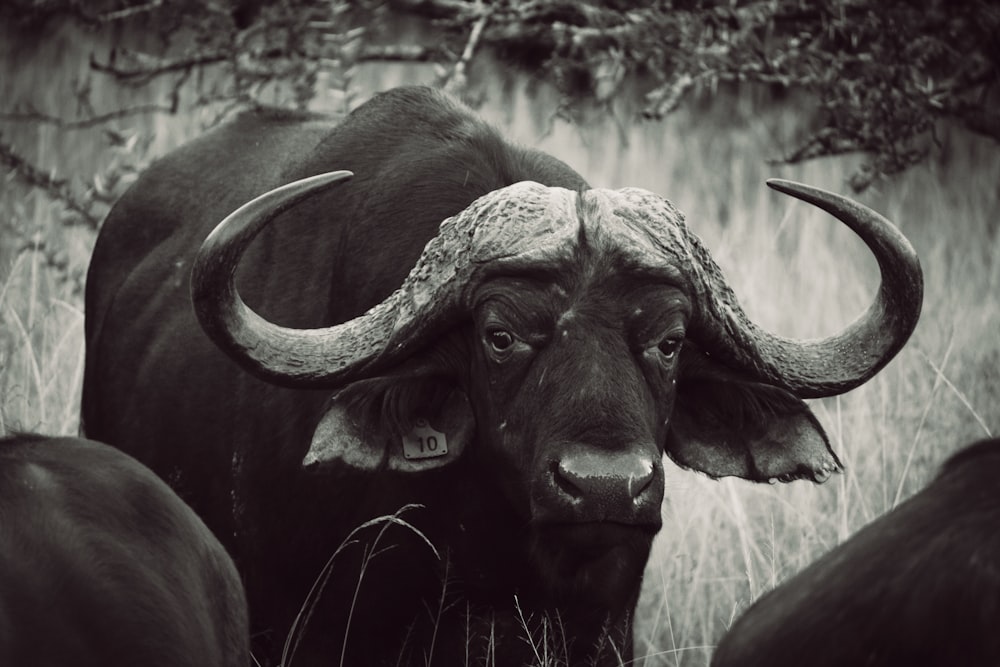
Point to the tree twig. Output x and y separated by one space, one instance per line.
33 116
55 188
155 67
457 79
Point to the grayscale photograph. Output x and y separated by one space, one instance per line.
499 333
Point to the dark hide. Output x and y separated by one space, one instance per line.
530 535
102 565
918 586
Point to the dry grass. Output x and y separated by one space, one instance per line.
797 271
726 543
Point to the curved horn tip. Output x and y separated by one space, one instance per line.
303 187
793 188
328 177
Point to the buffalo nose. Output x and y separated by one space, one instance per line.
604 479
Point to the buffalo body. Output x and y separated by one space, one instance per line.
102 565
917 586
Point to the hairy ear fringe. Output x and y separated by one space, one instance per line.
726 423
390 405
744 406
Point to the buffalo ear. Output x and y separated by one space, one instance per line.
406 424
725 424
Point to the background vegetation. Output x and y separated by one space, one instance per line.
74 133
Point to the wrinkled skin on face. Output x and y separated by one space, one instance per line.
573 383
569 376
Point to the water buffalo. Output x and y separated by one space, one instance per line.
465 326
101 564
917 586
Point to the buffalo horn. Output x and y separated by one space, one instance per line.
284 355
526 224
526 221
828 366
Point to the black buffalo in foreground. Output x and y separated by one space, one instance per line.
917 586
462 325
102 565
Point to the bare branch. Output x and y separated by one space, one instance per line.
435 8
150 68
86 123
823 143
401 53
457 80
33 12
55 188
128 12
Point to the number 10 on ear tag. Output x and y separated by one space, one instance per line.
423 442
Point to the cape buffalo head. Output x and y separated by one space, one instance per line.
565 340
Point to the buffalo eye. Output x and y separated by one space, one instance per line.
500 341
669 347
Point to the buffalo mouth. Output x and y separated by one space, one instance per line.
592 563
594 538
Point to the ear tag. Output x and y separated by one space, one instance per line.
424 442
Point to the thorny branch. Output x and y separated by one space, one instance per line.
882 72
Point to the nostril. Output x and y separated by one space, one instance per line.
637 484
564 480
603 478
